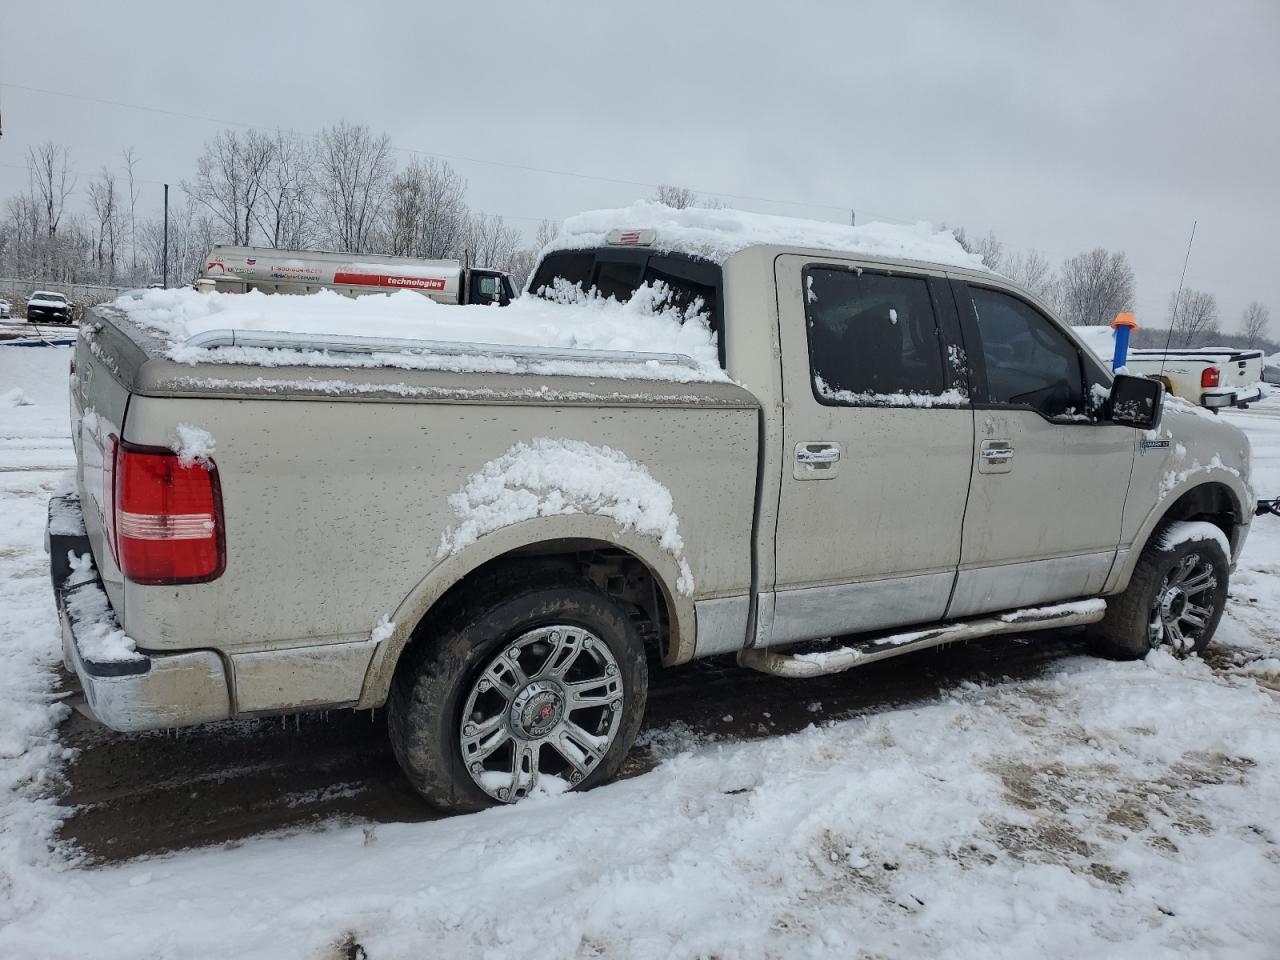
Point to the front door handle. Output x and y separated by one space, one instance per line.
816 460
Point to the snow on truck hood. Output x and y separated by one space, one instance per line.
718 234
645 324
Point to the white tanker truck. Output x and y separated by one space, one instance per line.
230 269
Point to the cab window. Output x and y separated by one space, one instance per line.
1027 360
873 338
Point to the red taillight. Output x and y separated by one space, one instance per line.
1210 377
166 518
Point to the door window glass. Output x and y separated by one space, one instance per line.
1028 360
873 340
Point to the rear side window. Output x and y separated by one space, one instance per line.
873 339
1028 361
618 273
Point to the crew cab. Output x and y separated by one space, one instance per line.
230 269
806 445
46 306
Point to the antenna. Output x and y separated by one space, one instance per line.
1177 297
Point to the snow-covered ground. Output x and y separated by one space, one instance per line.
1098 809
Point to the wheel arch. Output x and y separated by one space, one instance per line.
1216 495
564 539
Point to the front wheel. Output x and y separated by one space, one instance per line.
1174 600
533 681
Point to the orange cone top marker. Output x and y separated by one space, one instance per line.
1124 320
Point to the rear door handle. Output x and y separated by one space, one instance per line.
827 455
995 456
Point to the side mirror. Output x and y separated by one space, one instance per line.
1136 402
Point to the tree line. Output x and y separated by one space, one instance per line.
343 190
1090 288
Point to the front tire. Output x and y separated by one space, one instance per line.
528 681
1175 599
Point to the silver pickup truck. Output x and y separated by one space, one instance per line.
893 454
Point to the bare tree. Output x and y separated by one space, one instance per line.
284 216
230 178
353 171
990 248
102 198
1193 316
1033 271
427 211
678 198
681 198
524 260
490 242
1257 317
130 164
48 165
1095 286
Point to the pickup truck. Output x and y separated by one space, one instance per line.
1211 377
45 306
697 433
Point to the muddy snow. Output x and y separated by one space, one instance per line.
1081 808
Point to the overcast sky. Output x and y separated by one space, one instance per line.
1060 126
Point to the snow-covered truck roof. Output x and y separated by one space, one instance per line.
717 234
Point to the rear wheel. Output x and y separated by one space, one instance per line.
533 681
1174 600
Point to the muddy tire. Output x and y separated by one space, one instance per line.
1175 599
532 679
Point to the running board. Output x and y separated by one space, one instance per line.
823 662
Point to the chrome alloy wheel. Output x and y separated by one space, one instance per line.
550 704
1184 604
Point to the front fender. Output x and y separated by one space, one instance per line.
662 565
1241 507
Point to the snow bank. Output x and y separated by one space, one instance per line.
15 398
647 323
718 234
548 477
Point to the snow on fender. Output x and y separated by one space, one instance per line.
548 477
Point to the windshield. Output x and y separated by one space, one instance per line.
49 296
618 273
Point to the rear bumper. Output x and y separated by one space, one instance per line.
1233 398
149 692
47 316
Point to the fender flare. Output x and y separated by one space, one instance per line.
1219 476
450 570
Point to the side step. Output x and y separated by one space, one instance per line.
823 662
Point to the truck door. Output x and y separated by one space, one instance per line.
877 451
488 287
1049 480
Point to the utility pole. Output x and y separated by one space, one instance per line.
853 218
165 269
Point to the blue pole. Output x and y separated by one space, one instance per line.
1122 347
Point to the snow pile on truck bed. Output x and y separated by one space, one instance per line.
647 323
717 234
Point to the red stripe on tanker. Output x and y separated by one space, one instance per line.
388 280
